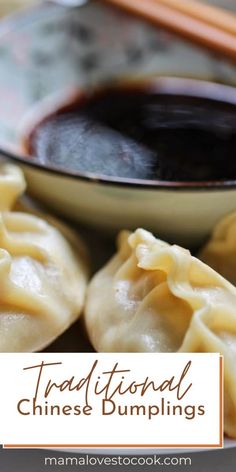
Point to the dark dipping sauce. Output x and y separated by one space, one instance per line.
136 132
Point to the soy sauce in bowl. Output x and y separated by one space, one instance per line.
140 131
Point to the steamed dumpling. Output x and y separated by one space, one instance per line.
12 185
43 281
220 252
152 297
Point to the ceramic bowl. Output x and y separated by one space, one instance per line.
49 50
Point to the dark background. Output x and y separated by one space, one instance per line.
33 461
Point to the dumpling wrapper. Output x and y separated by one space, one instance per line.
220 251
152 297
12 186
43 280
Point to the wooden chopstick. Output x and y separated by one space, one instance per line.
185 24
217 17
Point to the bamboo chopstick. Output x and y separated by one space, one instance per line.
217 17
185 24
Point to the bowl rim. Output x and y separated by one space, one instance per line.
202 89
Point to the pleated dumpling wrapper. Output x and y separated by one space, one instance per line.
12 185
152 297
220 251
43 280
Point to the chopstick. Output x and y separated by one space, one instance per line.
217 17
190 23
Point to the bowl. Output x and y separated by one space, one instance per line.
48 51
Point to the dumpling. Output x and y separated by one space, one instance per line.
43 272
43 280
12 185
220 251
152 297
